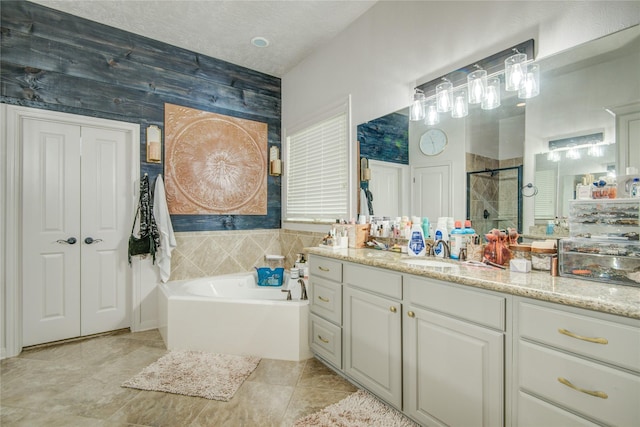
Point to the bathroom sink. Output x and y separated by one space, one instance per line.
428 263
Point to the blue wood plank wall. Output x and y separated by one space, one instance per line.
385 139
55 61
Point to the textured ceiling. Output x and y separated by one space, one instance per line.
224 29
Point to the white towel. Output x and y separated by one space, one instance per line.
163 220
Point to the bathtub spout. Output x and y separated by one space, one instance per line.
303 288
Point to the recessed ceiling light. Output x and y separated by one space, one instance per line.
259 42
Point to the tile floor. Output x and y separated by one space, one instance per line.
78 384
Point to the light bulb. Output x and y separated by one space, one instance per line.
491 98
433 117
514 71
416 112
531 84
477 82
460 107
444 96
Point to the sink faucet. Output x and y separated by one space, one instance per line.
303 289
445 245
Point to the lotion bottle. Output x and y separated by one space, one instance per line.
440 234
416 246
457 240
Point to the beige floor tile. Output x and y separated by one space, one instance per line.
306 401
317 375
277 372
150 408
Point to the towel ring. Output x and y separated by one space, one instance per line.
534 190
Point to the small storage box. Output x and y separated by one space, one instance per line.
601 260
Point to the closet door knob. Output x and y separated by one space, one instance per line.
69 241
90 240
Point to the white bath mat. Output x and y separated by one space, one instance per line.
195 373
357 410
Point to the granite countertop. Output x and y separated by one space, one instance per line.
607 298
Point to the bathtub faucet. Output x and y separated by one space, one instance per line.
303 290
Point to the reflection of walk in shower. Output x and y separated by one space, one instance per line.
494 199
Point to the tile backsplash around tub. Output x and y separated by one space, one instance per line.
213 253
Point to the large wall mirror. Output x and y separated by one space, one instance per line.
496 168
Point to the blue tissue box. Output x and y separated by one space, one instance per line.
269 277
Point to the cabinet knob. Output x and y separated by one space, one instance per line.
411 314
393 309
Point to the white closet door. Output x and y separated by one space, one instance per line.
106 216
431 192
51 231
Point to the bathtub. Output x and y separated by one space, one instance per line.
231 314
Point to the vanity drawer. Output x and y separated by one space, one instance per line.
371 279
541 371
326 340
593 337
474 306
326 299
326 268
533 412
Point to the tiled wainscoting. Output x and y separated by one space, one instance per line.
212 253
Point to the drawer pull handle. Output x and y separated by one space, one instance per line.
580 337
323 299
600 394
323 269
393 309
324 340
411 314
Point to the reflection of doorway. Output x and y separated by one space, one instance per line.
389 187
432 192
494 199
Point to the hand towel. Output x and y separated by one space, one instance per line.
163 221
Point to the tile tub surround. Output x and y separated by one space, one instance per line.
214 253
78 383
607 298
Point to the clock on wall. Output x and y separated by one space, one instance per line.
433 142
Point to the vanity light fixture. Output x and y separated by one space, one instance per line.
275 164
154 144
491 99
417 107
432 116
481 83
460 107
444 96
477 84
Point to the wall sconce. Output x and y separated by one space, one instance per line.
275 164
154 144
365 172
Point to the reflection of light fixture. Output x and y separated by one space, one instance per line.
432 116
460 107
481 82
573 153
531 85
154 144
417 108
553 156
477 85
595 151
275 165
515 68
444 96
491 99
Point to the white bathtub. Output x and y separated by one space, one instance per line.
231 314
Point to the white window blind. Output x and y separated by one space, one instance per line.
545 207
317 171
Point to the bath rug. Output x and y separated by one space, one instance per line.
195 373
357 410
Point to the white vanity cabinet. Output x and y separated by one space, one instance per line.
372 328
325 303
575 367
454 343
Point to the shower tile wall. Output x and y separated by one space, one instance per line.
200 254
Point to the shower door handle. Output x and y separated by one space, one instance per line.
69 241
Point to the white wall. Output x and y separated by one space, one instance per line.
396 45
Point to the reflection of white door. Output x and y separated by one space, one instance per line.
76 209
431 192
388 185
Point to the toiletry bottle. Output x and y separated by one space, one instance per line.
468 232
425 227
441 234
635 188
416 246
550 227
457 240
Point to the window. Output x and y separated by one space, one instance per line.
317 171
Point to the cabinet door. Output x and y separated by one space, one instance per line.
372 343
453 372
